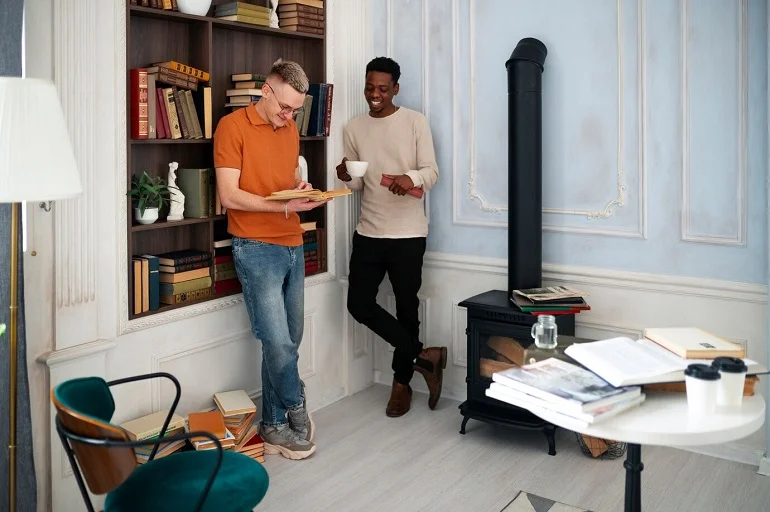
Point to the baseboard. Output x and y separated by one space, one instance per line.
764 466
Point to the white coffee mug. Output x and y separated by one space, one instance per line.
702 382
730 390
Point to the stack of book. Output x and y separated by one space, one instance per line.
244 13
301 16
554 300
149 427
252 446
247 87
238 411
169 100
214 423
579 396
165 5
310 247
225 276
184 276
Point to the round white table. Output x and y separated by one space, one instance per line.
663 420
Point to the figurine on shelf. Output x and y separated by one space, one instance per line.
274 14
176 208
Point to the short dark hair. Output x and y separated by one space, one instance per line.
385 65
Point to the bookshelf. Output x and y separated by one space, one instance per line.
222 48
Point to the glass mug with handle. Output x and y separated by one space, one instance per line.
545 332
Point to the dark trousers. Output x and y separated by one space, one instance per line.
401 258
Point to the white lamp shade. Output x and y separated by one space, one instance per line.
36 158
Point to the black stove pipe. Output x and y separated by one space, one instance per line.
525 165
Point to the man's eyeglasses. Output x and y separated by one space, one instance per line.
285 109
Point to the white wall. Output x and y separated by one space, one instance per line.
78 283
655 163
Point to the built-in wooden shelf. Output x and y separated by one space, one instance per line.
148 12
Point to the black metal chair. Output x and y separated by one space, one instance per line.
102 455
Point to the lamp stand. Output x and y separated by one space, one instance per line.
12 355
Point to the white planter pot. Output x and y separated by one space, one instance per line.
196 7
150 215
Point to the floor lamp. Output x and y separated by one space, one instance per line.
37 163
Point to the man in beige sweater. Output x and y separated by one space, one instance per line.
391 234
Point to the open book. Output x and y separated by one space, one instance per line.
624 362
311 194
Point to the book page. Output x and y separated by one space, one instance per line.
623 359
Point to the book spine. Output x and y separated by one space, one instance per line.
328 116
173 119
139 106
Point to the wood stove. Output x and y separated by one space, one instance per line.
492 313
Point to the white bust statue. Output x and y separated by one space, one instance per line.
274 14
176 207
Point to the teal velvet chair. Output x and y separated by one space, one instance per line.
102 456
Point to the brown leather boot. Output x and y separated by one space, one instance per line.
400 400
434 379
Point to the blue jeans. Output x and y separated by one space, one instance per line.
273 281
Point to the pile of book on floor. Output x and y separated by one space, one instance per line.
301 16
149 427
247 87
564 390
184 276
232 423
553 300
659 357
244 13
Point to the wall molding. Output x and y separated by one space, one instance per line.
459 336
75 248
609 208
742 164
158 359
680 285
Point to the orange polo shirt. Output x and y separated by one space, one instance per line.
268 160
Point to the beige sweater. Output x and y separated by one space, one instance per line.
400 143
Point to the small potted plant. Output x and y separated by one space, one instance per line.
148 195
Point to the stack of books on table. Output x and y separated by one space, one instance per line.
149 427
553 300
184 276
659 357
577 395
301 16
244 13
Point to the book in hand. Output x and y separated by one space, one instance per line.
387 179
622 361
311 194
694 343
572 388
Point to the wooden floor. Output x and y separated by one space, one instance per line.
366 461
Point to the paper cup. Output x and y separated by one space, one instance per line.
730 389
702 383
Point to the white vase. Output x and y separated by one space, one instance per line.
196 7
150 215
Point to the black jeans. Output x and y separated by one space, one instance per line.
401 258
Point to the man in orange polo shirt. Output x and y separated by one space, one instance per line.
256 153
